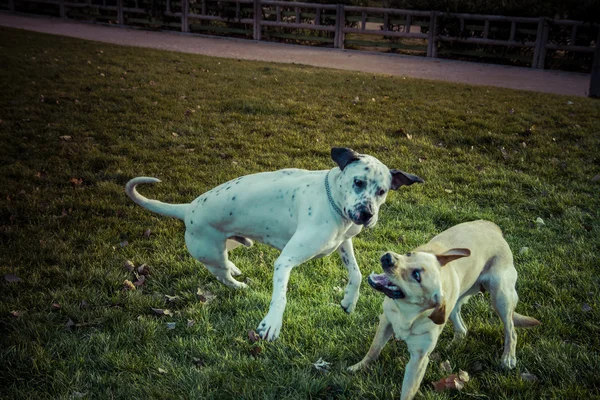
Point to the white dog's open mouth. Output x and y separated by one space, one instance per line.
382 283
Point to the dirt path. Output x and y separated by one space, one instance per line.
557 82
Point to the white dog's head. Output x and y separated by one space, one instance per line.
365 182
415 278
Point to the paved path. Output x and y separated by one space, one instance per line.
567 83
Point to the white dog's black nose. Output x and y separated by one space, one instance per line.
365 215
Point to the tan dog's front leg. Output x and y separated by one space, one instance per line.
420 347
383 334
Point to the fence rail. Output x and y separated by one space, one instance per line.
339 20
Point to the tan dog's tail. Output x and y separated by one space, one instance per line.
169 210
523 321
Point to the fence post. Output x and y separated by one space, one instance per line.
538 41
257 18
340 23
185 9
539 54
432 39
120 18
595 78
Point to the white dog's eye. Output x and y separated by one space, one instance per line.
358 183
381 192
417 275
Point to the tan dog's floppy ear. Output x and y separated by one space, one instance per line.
452 255
438 316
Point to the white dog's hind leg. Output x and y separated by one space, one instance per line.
346 252
211 251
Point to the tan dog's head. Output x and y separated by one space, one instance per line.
415 278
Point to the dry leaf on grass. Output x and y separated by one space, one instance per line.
16 314
143 269
161 311
322 365
454 381
198 362
128 285
445 366
76 181
140 281
190 322
171 299
55 306
12 278
171 325
147 233
526 376
162 371
128 265
255 351
253 336
205 296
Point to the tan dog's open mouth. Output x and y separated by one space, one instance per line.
382 283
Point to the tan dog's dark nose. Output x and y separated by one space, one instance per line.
387 261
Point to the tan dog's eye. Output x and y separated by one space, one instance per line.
417 275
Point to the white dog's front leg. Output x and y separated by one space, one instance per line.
270 326
346 252
297 251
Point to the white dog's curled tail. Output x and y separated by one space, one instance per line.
168 210
523 321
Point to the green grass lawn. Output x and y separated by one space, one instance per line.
67 227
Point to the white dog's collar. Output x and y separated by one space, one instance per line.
328 190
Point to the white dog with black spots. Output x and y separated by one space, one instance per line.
305 214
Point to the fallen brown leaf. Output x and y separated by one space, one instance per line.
147 233
12 278
205 296
140 281
143 269
128 265
445 366
253 336
161 311
76 181
526 376
128 285
55 306
16 314
255 351
198 362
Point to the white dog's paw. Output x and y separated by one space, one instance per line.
235 271
349 301
269 327
508 361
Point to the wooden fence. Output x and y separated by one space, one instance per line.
340 25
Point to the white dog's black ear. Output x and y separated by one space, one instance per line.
343 156
401 178
452 255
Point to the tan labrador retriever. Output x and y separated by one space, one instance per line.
423 290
